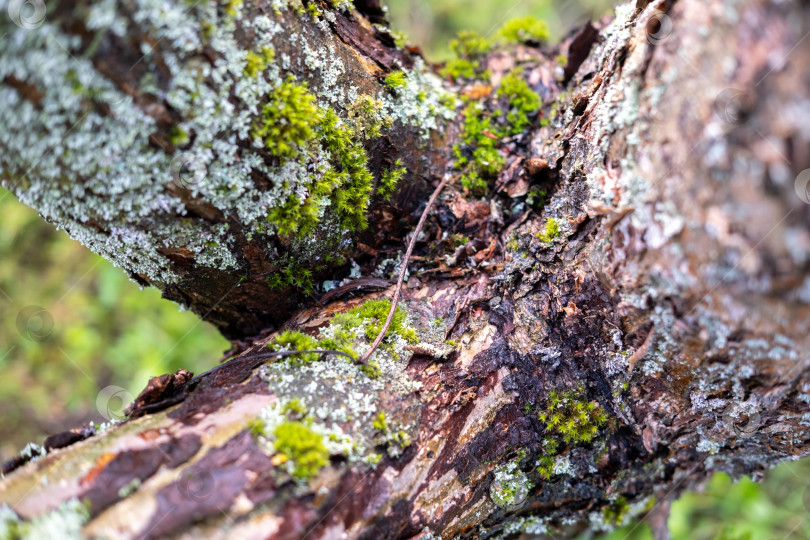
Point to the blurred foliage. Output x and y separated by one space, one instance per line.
431 24
776 509
93 328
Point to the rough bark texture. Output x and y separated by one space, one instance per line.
559 382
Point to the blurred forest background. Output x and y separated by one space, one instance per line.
72 325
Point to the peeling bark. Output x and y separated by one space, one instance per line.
675 301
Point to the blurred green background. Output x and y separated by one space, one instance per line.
71 324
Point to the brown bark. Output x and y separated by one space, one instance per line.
675 300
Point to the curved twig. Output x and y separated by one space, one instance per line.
403 271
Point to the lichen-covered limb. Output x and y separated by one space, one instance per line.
647 327
231 154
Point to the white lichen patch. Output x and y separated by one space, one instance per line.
64 522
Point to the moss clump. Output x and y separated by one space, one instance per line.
616 512
390 179
524 30
550 232
178 136
365 117
510 486
536 197
470 44
396 79
570 416
468 47
295 408
301 447
374 313
293 275
257 61
288 120
380 423
523 101
349 186
293 340
478 156
291 123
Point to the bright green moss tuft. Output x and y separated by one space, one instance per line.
257 61
479 156
293 340
178 136
350 187
470 44
390 178
288 120
523 101
570 416
616 512
524 29
380 423
396 79
469 47
551 231
374 313
302 447
545 467
232 7
292 276
460 68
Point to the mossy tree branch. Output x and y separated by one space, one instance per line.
624 313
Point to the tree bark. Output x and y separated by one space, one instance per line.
557 381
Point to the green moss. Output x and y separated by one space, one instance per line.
288 120
178 136
396 79
295 408
545 467
291 276
293 340
460 68
313 11
479 156
569 415
350 188
256 427
536 197
257 61
302 447
523 101
232 7
370 369
615 513
510 486
374 313
470 44
380 423
390 179
468 47
551 231
524 29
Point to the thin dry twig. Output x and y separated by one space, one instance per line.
404 270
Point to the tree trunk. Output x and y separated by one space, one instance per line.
572 365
